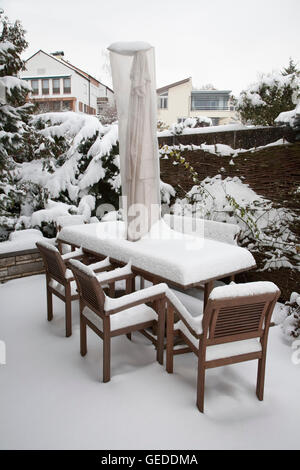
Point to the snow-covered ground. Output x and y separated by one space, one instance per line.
52 398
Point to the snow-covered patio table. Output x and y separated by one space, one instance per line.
163 255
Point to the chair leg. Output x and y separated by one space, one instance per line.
128 336
112 291
200 386
260 385
68 311
170 339
160 331
49 305
83 339
106 349
106 359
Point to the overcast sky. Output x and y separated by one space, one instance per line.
223 42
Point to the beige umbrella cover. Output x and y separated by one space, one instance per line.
134 85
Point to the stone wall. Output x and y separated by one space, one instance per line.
20 264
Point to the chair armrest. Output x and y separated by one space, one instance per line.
135 298
194 324
100 266
114 275
77 254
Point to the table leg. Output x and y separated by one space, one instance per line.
207 290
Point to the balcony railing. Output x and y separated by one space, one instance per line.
208 108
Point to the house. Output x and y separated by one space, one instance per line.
58 85
180 100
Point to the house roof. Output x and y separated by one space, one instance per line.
166 87
72 67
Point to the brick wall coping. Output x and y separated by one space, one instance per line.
18 253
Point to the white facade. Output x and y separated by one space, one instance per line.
178 101
58 85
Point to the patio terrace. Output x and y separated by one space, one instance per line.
52 398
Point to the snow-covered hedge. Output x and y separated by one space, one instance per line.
288 316
272 94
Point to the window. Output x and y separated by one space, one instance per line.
67 85
56 105
209 101
45 87
35 87
163 101
67 105
56 86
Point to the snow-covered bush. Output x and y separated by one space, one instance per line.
288 316
197 121
161 125
191 122
271 95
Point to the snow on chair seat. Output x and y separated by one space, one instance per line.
125 318
234 328
109 317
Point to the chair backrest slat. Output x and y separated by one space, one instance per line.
53 262
232 319
90 290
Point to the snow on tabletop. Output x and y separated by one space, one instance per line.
175 256
129 48
137 296
241 290
131 316
223 232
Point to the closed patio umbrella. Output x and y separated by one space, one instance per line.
133 74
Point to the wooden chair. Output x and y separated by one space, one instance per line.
234 328
109 317
59 279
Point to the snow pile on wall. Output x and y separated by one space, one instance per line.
189 123
288 117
